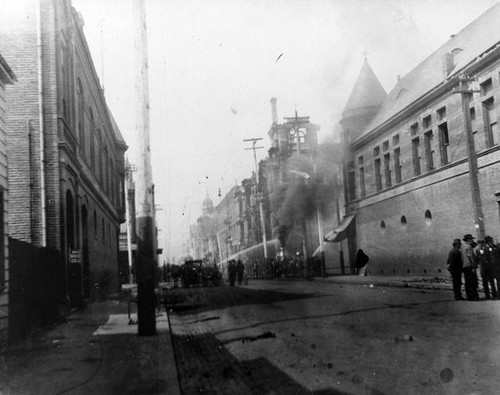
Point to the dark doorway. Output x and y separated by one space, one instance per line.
85 253
73 256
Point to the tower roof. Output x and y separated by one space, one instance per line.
367 91
208 205
474 41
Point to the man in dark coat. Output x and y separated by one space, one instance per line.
485 258
469 268
240 269
495 260
231 272
455 265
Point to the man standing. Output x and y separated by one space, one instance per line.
455 266
485 257
469 268
495 260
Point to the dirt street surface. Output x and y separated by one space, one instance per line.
279 337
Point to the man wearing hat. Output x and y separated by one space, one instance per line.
486 258
455 266
469 268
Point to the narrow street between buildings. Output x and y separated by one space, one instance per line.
281 337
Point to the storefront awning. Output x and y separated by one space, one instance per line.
339 233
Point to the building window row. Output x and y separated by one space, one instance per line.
429 144
404 221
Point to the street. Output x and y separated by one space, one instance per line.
284 337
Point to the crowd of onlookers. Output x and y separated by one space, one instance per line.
463 261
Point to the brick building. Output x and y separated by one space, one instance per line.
408 177
66 165
7 77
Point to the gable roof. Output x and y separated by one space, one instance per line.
367 91
475 39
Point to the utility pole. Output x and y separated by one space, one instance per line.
259 195
128 218
146 298
465 93
320 227
337 209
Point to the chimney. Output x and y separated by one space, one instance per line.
274 110
448 64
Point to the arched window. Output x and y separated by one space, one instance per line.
401 92
382 226
428 217
70 220
88 137
404 222
81 114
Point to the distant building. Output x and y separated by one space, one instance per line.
7 77
408 178
66 153
299 188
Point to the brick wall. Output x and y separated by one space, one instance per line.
65 163
18 46
4 256
420 246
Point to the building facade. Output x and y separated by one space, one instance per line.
7 77
66 152
301 191
412 185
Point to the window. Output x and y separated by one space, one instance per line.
486 86
490 123
385 145
472 114
444 142
414 129
362 181
382 226
362 189
397 165
428 217
378 176
441 113
351 179
395 140
426 122
81 115
376 151
415 145
387 170
404 222
429 152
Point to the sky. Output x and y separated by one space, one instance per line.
215 64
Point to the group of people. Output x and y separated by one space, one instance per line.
280 268
463 260
235 271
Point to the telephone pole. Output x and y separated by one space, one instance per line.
465 93
259 194
146 297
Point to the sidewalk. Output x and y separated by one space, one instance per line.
96 351
392 281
